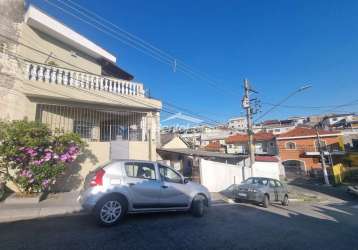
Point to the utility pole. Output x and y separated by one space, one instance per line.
323 160
246 105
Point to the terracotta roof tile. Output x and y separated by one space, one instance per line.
213 146
260 136
304 131
266 158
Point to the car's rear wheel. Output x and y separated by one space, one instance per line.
238 200
285 201
198 206
266 201
110 210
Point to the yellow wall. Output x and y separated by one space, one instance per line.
95 154
47 44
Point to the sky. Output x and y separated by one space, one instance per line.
278 45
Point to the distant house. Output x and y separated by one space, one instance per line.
264 144
215 146
238 123
277 126
337 120
299 151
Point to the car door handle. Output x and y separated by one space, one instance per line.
164 186
131 184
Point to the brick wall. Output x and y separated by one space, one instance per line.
304 145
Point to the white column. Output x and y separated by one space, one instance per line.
71 78
47 74
53 75
59 77
28 71
40 73
65 77
33 72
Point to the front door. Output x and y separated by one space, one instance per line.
173 188
143 185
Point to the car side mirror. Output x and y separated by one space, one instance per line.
186 180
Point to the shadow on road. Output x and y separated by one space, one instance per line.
338 192
223 227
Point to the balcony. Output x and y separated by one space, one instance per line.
54 75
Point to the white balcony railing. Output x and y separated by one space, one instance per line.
59 76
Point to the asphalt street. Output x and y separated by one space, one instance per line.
225 226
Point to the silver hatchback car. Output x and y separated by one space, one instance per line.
130 186
262 190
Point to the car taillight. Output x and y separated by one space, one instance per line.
97 180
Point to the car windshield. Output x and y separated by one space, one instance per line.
260 181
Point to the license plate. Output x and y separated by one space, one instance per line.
242 194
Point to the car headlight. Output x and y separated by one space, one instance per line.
252 190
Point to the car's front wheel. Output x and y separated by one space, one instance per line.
198 206
110 210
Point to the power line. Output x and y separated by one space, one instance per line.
148 50
133 98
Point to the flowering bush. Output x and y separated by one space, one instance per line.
32 157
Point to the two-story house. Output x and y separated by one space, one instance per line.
55 75
264 144
299 149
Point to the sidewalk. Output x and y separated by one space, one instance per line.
54 204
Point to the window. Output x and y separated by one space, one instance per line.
278 184
260 181
169 175
140 170
272 183
83 128
277 130
290 145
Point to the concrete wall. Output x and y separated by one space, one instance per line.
49 45
139 150
218 176
96 153
13 103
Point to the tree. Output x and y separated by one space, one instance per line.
31 156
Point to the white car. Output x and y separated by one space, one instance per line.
129 186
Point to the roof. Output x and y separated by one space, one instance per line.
213 146
260 136
270 122
201 153
43 22
266 158
113 70
306 132
165 138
